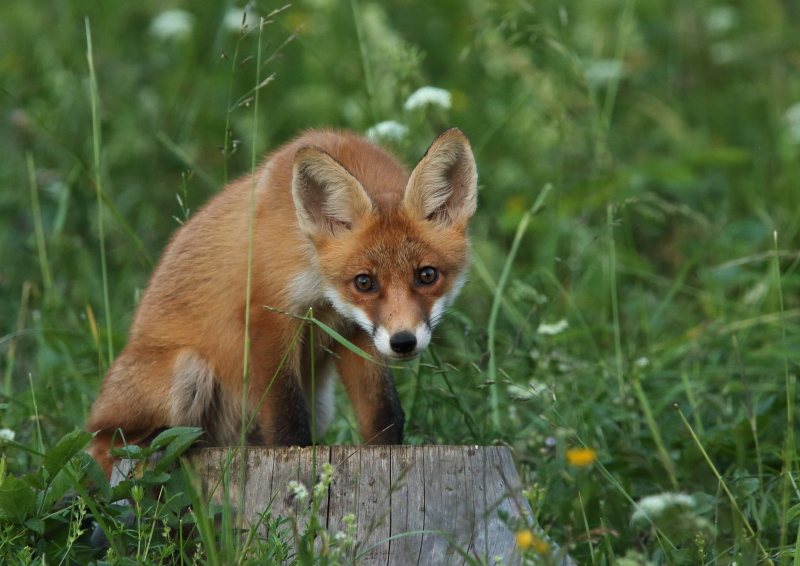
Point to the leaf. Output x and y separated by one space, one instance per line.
36 525
95 471
171 433
18 446
121 491
36 479
132 452
17 500
72 443
149 478
793 513
304 554
58 488
177 447
342 340
336 336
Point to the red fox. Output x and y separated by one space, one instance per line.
340 227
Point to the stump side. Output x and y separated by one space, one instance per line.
452 493
413 505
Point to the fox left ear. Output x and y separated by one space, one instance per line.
443 186
328 199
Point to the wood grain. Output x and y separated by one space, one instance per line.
413 505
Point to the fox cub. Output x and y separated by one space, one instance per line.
340 227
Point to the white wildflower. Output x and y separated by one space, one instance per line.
7 434
551 329
388 131
601 71
792 119
172 24
653 506
721 19
299 490
233 19
429 96
642 362
324 482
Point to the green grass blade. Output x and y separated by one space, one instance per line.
96 141
47 278
498 295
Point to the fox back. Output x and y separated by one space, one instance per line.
339 227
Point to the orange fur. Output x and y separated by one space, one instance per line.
328 207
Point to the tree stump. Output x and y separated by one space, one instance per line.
452 493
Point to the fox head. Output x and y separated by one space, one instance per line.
390 264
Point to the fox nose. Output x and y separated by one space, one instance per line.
403 342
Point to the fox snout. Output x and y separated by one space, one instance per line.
403 344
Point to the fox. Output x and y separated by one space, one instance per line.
338 226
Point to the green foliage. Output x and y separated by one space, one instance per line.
669 132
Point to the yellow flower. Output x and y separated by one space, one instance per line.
541 546
581 457
526 540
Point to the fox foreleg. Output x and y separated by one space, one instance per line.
284 417
371 389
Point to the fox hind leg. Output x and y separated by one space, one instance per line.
149 389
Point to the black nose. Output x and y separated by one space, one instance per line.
403 342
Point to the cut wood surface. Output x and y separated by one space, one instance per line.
413 505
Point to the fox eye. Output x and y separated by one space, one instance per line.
427 275
364 283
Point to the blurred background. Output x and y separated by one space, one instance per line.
661 267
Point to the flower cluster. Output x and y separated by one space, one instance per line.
388 131
654 506
172 24
553 329
299 491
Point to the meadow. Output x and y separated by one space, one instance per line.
635 294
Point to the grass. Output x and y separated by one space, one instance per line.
668 243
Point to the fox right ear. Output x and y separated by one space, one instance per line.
443 186
328 199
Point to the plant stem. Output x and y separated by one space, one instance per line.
724 486
99 185
498 297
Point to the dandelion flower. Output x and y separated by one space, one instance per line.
552 329
388 131
429 96
580 457
172 24
7 434
527 540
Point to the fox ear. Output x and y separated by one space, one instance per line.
443 186
328 199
